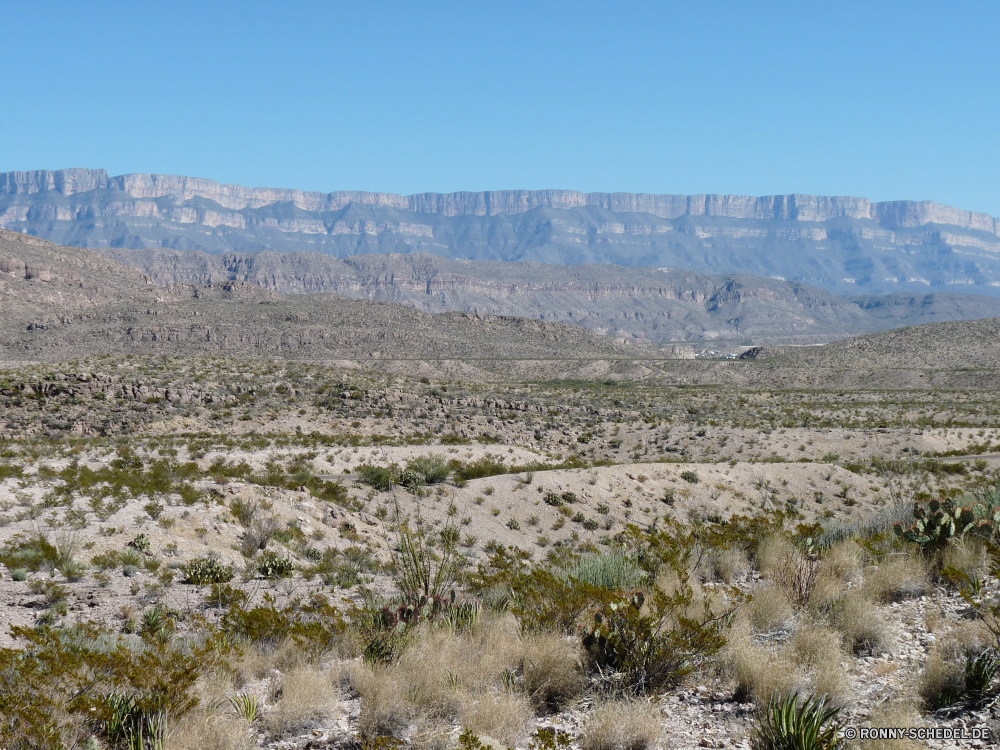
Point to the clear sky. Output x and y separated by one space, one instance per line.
887 100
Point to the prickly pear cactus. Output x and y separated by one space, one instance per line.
938 523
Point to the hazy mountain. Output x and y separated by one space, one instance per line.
642 304
62 303
841 244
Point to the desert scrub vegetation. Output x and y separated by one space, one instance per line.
438 636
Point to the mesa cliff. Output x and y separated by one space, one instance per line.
844 245
794 207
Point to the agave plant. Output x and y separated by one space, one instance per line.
792 724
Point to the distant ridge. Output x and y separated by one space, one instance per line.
793 207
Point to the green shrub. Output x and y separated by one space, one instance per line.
690 476
32 553
60 681
315 626
487 466
106 560
643 645
224 596
208 570
434 469
379 477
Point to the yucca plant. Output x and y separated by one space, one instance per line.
245 705
792 724
979 673
132 725
156 624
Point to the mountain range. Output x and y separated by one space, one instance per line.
844 245
66 303
777 269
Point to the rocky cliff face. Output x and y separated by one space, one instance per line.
841 244
810 208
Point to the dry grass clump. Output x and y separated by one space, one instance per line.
967 555
251 665
768 609
772 552
831 680
622 726
842 562
305 695
944 671
255 663
723 565
896 578
758 673
552 671
384 706
942 675
860 624
826 592
446 677
814 645
840 566
503 717
199 730
818 649
894 714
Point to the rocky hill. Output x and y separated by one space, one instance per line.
842 244
641 304
62 303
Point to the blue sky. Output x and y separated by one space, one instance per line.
880 99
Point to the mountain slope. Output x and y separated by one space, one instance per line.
63 303
643 304
841 244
